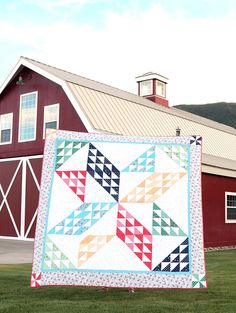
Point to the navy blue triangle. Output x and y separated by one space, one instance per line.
176 260
176 269
167 268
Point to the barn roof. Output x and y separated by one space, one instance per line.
103 108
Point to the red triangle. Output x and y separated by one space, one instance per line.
139 255
148 255
83 173
82 180
148 264
74 189
140 237
146 232
128 232
59 173
67 173
120 234
74 173
136 223
140 246
149 246
81 197
127 223
119 215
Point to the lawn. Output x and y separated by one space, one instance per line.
220 297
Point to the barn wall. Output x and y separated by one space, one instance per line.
19 194
216 231
48 93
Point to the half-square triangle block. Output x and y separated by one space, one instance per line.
103 171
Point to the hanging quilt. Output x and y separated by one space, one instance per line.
118 211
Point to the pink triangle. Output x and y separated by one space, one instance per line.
74 181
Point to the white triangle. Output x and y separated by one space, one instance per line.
164 264
173 256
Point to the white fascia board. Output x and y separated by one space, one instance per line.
218 171
151 76
56 80
11 75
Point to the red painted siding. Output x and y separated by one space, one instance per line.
216 231
33 167
158 100
48 93
10 207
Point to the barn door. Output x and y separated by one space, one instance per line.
19 192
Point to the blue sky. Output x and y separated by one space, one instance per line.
191 42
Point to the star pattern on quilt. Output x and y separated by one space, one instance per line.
66 149
75 180
35 280
90 245
196 140
136 237
153 187
103 171
177 260
80 220
177 153
163 225
144 163
98 171
54 258
199 281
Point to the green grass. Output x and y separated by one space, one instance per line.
220 297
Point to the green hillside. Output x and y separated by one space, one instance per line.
222 112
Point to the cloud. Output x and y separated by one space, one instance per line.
54 4
196 54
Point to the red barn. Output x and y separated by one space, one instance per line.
36 96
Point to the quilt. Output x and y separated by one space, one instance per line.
117 211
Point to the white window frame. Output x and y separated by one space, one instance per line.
142 93
163 95
57 119
8 142
35 118
226 207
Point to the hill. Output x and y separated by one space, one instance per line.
222 112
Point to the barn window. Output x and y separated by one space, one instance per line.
230 207
51 117
160 88
146 88
28 116
6 128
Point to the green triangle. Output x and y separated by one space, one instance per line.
155 215
163 232
173 233
164 224
155 232
172 223
164 215
181 233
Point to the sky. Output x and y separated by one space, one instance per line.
191 42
